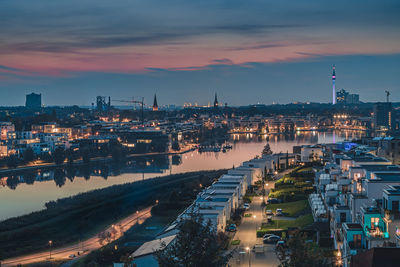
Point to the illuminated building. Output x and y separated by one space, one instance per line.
155 105
383 115
333 86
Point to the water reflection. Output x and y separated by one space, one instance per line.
28 191
153 164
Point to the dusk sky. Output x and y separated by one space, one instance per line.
248 51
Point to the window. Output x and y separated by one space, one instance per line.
357 241
374 222
342 217
395 205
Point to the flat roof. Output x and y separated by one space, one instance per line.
386 177
152 246
211 199
342 207
379 167
353 226
392 190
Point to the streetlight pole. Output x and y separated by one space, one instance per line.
50 244
248 250
255 222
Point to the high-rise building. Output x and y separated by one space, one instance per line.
344 97
216 101
33 100
155 105
333 85
383 115
341 96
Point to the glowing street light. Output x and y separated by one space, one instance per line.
248 251
50 244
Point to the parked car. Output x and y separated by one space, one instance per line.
271 239
71 256
273 201
269 212
267 235
279 212
269 218
259 248
231 228
246 206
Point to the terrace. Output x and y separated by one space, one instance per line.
373 223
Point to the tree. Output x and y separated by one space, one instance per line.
116 153
196 244
86 154
70 155
304 254
29 155
104 151
175 146
59 155
12 161
267 150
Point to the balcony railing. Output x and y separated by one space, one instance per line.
376 233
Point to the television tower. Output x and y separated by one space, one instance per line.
333 85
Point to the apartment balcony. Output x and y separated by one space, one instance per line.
376 234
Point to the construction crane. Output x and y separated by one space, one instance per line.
141 102
387 96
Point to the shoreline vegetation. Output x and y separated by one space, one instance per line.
78 162
75 218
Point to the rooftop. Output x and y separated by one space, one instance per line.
152 246
379 167
392 190
386 177
353 226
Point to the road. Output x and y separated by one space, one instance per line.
246 233
115 231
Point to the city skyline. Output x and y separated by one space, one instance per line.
185 52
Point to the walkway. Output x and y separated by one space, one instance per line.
116 231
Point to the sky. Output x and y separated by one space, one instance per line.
253 51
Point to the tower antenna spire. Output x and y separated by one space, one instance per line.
333 84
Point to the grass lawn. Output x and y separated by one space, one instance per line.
291 209
235 242
300 222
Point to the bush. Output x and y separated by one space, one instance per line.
247 199
235 242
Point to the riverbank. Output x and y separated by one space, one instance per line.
80 249
32 167
70 219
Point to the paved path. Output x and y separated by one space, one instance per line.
247 235
116 230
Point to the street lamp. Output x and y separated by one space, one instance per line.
248 250
255 222
50 244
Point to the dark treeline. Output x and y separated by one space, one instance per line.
70 219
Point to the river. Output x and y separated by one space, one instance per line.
28 192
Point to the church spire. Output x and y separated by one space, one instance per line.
215 101
155 105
